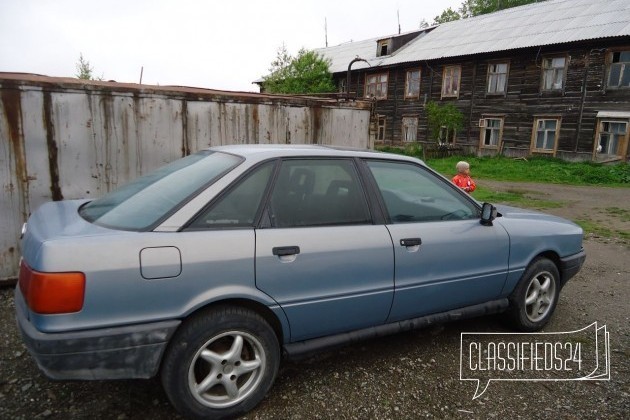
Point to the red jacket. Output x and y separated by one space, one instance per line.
464 182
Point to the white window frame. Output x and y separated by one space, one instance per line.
451 81
381 125
485 128
409 129
342 85
383 43
412 84
621 139
624 68
551 72
556 137
497 79
376 85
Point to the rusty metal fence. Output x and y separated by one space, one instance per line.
64 138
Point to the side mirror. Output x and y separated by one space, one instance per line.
488 214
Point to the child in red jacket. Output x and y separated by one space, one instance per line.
463 179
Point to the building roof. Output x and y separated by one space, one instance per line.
533 25
341 55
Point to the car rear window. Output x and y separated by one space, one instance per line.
146 200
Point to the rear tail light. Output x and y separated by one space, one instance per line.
52 293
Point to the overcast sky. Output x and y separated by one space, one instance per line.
212 44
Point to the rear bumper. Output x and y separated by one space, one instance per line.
569 266
133 351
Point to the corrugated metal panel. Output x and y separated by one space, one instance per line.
537 24
341 55
545 23
65 139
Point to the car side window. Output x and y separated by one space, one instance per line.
237 208
413 194
318 192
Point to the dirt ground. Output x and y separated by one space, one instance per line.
408 375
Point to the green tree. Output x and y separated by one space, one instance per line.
447 15
443 121
471 8
308 72
84 70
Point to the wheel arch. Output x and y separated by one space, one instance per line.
550 255
262 310
515 276
279 327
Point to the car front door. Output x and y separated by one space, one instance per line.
321 257
445 259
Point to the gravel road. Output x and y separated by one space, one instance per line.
408 375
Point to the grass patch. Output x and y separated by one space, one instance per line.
539 169
622 214
591 227
519 198
532 169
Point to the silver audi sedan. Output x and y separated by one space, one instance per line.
211 269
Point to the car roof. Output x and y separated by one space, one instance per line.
266 151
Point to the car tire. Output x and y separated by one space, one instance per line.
535 297
220 363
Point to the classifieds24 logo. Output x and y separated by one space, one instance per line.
581 355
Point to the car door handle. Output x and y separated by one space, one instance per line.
411 242
283 251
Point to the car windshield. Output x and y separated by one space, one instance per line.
144 201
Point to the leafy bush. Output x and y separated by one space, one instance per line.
444 120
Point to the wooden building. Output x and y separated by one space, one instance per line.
549 78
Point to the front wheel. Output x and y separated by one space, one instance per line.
533 301
221 363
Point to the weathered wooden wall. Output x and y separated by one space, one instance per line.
64 139
583 95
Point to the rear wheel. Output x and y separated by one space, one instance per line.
221 363
534 300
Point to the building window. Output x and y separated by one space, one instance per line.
497 78
409 128
376 86
412 84
342 85
491 132
553 73
450 81
612 138
380 128
545 135
619 71
383 48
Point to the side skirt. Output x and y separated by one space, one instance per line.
301 349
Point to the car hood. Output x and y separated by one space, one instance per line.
509 212
532 232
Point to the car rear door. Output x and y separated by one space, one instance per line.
321 257
445 259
